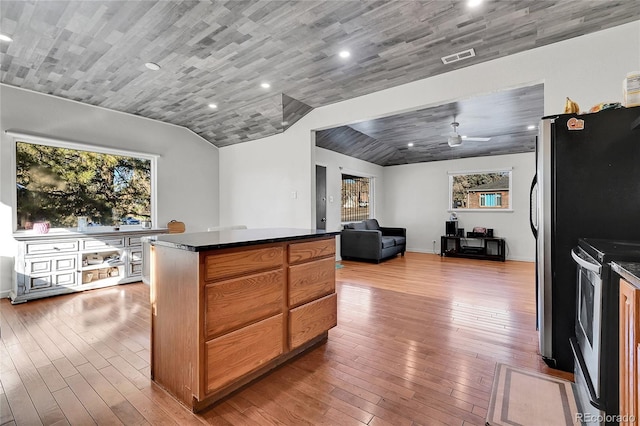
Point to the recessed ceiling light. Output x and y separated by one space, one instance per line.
410 144
344 53
265 85
474 3
5 38
213 106
531 127
152 66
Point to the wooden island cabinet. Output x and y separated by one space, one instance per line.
229 306
629 342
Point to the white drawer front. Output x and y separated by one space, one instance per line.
133 241
51 247
135 269
40 266
100 243
64 263
40 283
66 279
136 256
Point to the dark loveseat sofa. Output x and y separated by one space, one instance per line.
367 240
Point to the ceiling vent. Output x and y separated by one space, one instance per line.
465 54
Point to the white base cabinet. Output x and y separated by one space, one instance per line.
52 264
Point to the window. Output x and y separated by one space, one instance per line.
486 190
59 184
356 198
491 200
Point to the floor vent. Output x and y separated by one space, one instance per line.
465 54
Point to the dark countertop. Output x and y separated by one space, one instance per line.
106 231
202 241
630 271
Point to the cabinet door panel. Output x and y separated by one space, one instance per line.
39 283
66 279
309 281
300 252
227 265
235 354
39 266
65 263
629 340
311 320
234 303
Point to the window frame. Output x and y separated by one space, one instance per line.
372 203
498 196
507 209
80 146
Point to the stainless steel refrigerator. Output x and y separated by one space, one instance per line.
587 185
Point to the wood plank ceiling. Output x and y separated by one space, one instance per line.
221 51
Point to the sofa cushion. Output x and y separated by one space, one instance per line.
400 240
355 225
388 242
372 224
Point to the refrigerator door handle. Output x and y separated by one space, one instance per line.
534 230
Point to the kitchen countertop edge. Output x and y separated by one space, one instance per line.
214 240
630 271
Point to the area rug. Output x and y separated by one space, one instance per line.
522 397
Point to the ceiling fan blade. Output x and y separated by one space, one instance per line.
469 138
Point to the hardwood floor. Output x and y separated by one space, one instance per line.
417 342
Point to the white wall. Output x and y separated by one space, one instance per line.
418 199
187 175
589 69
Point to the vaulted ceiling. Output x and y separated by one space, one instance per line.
221 51
508 118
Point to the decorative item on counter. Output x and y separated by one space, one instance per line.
82 223
631 89
94 259
175 227
146 224
41 227
570 107
605 105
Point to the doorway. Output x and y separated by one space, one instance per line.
321 197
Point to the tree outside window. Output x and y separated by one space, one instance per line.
57 185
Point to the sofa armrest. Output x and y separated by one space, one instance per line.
397 232
365 244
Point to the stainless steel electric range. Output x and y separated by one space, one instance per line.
595 344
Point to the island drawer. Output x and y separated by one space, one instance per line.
311 320
240 352
311 280
241 262
301 252
234 303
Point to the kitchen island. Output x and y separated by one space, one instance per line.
229 306
629 343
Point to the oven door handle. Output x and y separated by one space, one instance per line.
585 264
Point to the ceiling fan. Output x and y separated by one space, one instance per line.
455 139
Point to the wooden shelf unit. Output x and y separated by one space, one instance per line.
492 248
52 264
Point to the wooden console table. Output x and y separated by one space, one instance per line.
491 249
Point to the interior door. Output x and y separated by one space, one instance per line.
321 197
